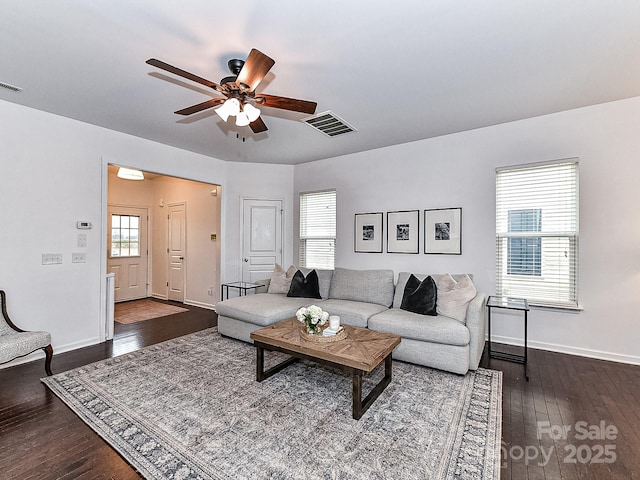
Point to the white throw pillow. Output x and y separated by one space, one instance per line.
454 297
281 279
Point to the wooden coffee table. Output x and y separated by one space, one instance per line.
360 353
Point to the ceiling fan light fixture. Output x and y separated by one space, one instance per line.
242 119
130 174
229 108
239 89
252 112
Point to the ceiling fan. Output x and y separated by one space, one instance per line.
239 91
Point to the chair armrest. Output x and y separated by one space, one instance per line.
5 314
476 322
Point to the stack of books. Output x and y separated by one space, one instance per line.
327 332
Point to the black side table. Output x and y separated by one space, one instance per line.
242 287
509 303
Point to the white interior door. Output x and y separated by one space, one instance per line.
128 252
177 251
262 238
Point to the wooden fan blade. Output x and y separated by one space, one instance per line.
182 73
214 102
285 103
255 68
258 126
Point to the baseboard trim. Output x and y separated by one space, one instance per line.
193 303
581 352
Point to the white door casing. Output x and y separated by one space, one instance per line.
262 238
176 251
131 270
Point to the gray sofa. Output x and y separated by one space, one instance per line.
369 298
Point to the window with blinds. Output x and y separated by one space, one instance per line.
318 229
537 233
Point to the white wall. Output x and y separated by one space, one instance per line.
54 173
459 171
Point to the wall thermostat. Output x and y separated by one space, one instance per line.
84 225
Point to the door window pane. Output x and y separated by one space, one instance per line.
125 235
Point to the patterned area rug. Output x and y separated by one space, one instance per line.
145 309
190 408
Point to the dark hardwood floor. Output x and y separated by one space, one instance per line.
576 418
40 438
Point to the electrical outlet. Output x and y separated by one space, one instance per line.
51 258
78 257
210 292
82 240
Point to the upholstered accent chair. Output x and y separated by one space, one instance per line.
15 342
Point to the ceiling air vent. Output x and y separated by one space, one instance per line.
13 88
329 124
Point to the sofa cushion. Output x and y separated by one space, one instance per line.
281 279
370 286
420 296
306 286
454 296
352 313
262 308
439 329
404 276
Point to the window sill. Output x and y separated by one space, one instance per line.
567 309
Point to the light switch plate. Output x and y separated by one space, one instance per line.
51 258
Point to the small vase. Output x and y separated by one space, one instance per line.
312 329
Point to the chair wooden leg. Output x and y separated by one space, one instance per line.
48 350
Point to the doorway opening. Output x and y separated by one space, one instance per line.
163 238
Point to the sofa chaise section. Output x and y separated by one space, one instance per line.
239 316
354 295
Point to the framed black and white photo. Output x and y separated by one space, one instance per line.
368 232
443 231
403 230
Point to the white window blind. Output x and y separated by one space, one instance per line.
318 229
537 233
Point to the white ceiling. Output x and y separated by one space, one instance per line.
397 71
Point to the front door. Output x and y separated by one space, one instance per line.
127 255
262 238
177 251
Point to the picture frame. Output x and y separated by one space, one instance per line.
403 231
368 233
443 231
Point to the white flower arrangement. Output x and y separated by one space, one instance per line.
313 317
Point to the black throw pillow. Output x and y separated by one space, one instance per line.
420 297
307 287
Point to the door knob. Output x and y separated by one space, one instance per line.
181 258
246 260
